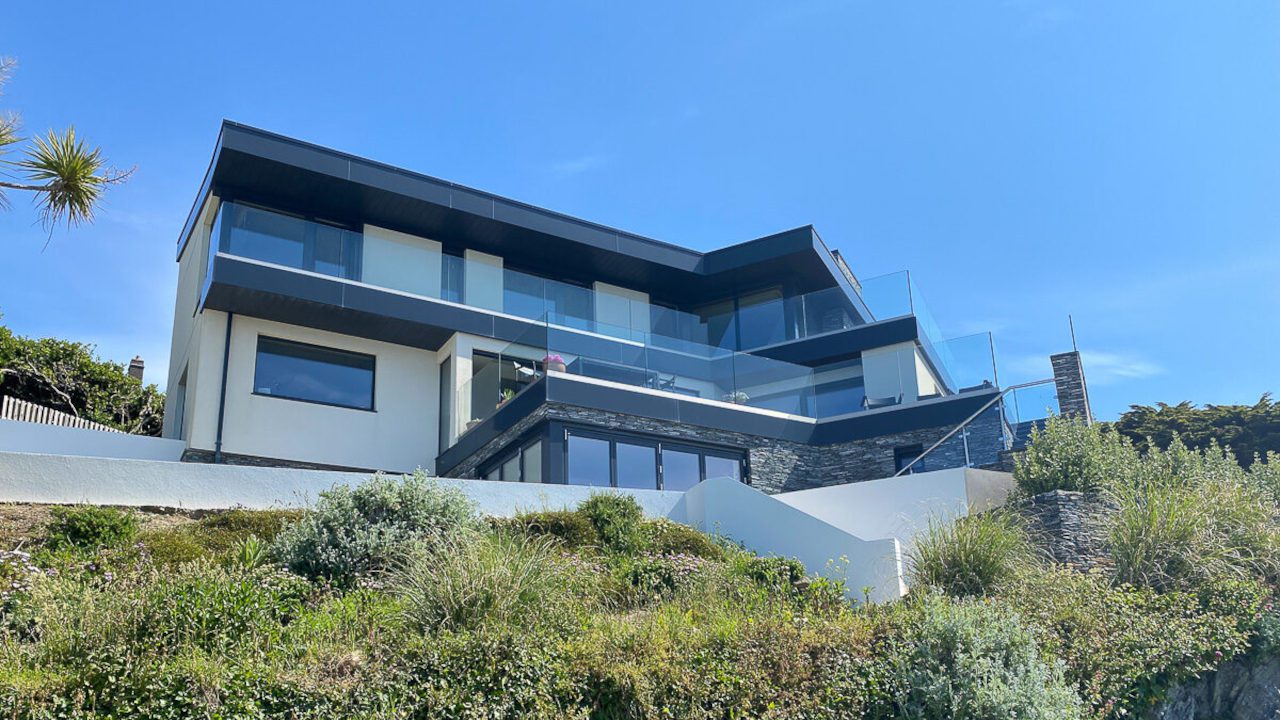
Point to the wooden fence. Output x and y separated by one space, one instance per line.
11 408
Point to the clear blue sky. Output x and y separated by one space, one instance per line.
1025 159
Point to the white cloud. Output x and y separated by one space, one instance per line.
1103 368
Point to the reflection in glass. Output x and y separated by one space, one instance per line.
637 466
307 372
588 461
723 467
680 470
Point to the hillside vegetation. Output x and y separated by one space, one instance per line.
394 599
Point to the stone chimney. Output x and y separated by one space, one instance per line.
1068 377
135 368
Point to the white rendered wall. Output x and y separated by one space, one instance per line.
482 280
901 507
401 434
619 307
36 478
28 437
768 526
182 344
890 371
401 261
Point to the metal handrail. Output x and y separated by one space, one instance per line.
950 434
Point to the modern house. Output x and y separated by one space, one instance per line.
335 312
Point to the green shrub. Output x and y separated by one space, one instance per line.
670 538
490 578
573 529
173 546
1189 517
90 526
657 576
355 531
973 659
1124 647
222 531
617 519
972 555
773 572
1069 455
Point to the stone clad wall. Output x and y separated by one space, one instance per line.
1070 526
1243 689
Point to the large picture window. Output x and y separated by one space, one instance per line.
288 240
599 459
311 373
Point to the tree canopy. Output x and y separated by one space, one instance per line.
1248 430
68 376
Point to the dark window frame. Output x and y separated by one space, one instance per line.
904 455
498 462
658 443
352 268
373 373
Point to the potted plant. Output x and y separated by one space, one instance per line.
473 422
506 395
737 397
553 363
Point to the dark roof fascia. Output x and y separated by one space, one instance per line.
235 139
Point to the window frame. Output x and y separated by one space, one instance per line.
373 373
499 462
658 443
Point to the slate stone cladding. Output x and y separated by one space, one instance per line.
193 455
778 465
1068 378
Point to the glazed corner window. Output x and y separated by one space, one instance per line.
298 371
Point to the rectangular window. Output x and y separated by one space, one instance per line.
524 465
446 402
311 373
452 275
295 242
603 460
902 457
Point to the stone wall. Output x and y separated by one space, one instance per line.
1243 689
780 465
1070 526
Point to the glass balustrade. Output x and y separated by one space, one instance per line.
1027 408
749 322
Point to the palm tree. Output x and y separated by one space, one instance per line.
66 175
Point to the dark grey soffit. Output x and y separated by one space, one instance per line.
274 170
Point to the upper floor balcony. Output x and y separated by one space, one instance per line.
748 322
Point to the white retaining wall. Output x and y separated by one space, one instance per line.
65 479
768 526
901 507
27 437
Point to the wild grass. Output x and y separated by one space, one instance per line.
972 555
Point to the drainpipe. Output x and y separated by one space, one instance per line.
222 393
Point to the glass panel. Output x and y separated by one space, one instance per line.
494 474
452 272
827 311
531 463
284 240
446 402
570 305
511 469
680 470
970 362
307 372
771 384
637 466
719 319
723 467
838 389
523 295
267 236
588 461
486 386
888 296
762 319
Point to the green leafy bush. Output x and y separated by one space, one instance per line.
215 536
90 526
476 579
573 529
1070 455
972 555
355 531
1124 647
973 659
1188 517
1251 431
664 537
616 518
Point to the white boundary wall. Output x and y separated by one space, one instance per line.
27 437
901 507
855 532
